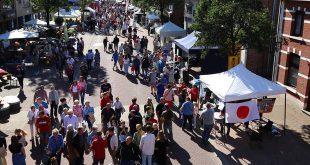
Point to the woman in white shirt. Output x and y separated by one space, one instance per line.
126 64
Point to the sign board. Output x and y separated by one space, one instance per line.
265 105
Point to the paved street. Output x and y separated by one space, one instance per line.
293 148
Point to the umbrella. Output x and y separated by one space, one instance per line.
18 34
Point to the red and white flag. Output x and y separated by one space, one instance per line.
241 112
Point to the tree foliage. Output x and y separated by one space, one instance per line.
8 2
83 4
233 24
48 6
160 5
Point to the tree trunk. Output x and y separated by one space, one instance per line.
47 11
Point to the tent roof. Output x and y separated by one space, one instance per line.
39 22
18 34
68 14
188 42
152 16
170 29
239 83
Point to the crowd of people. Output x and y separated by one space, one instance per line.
68 128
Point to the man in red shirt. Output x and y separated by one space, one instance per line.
194 93
105 99
43 125
98 146
134 103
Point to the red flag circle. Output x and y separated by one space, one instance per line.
243 112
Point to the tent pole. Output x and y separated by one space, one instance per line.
284 129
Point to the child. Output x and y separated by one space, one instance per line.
195 113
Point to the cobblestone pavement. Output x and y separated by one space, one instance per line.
293 148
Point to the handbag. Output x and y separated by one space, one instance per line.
3 152
30 122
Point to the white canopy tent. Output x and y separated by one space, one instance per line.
239 83
188 43
68 14
170 29
38 22
18 34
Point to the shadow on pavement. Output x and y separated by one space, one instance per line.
271 150
37 152
179 154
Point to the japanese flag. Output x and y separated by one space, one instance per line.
241 112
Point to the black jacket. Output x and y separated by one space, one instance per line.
128 152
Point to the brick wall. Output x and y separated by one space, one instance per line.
298 45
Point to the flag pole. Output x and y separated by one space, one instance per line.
284 122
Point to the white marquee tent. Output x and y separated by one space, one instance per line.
39 22
170 29
18 34
68 14
239 83
188 43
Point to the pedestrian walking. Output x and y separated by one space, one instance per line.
207 117
55 146
75 91
187 111
83 88
147 146
89 58
97 147
18 151
53 100
167 117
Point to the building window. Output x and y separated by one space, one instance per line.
293 69
298 23
189 8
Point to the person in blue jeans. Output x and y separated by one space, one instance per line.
207 117
187 112
18 151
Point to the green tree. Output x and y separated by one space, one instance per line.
160 5
48 6
8 2
233 24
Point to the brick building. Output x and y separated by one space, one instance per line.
293 60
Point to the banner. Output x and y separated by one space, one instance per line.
265 105
241 112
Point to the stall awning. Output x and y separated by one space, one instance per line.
68 14
239 83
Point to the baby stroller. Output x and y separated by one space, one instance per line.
110 47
